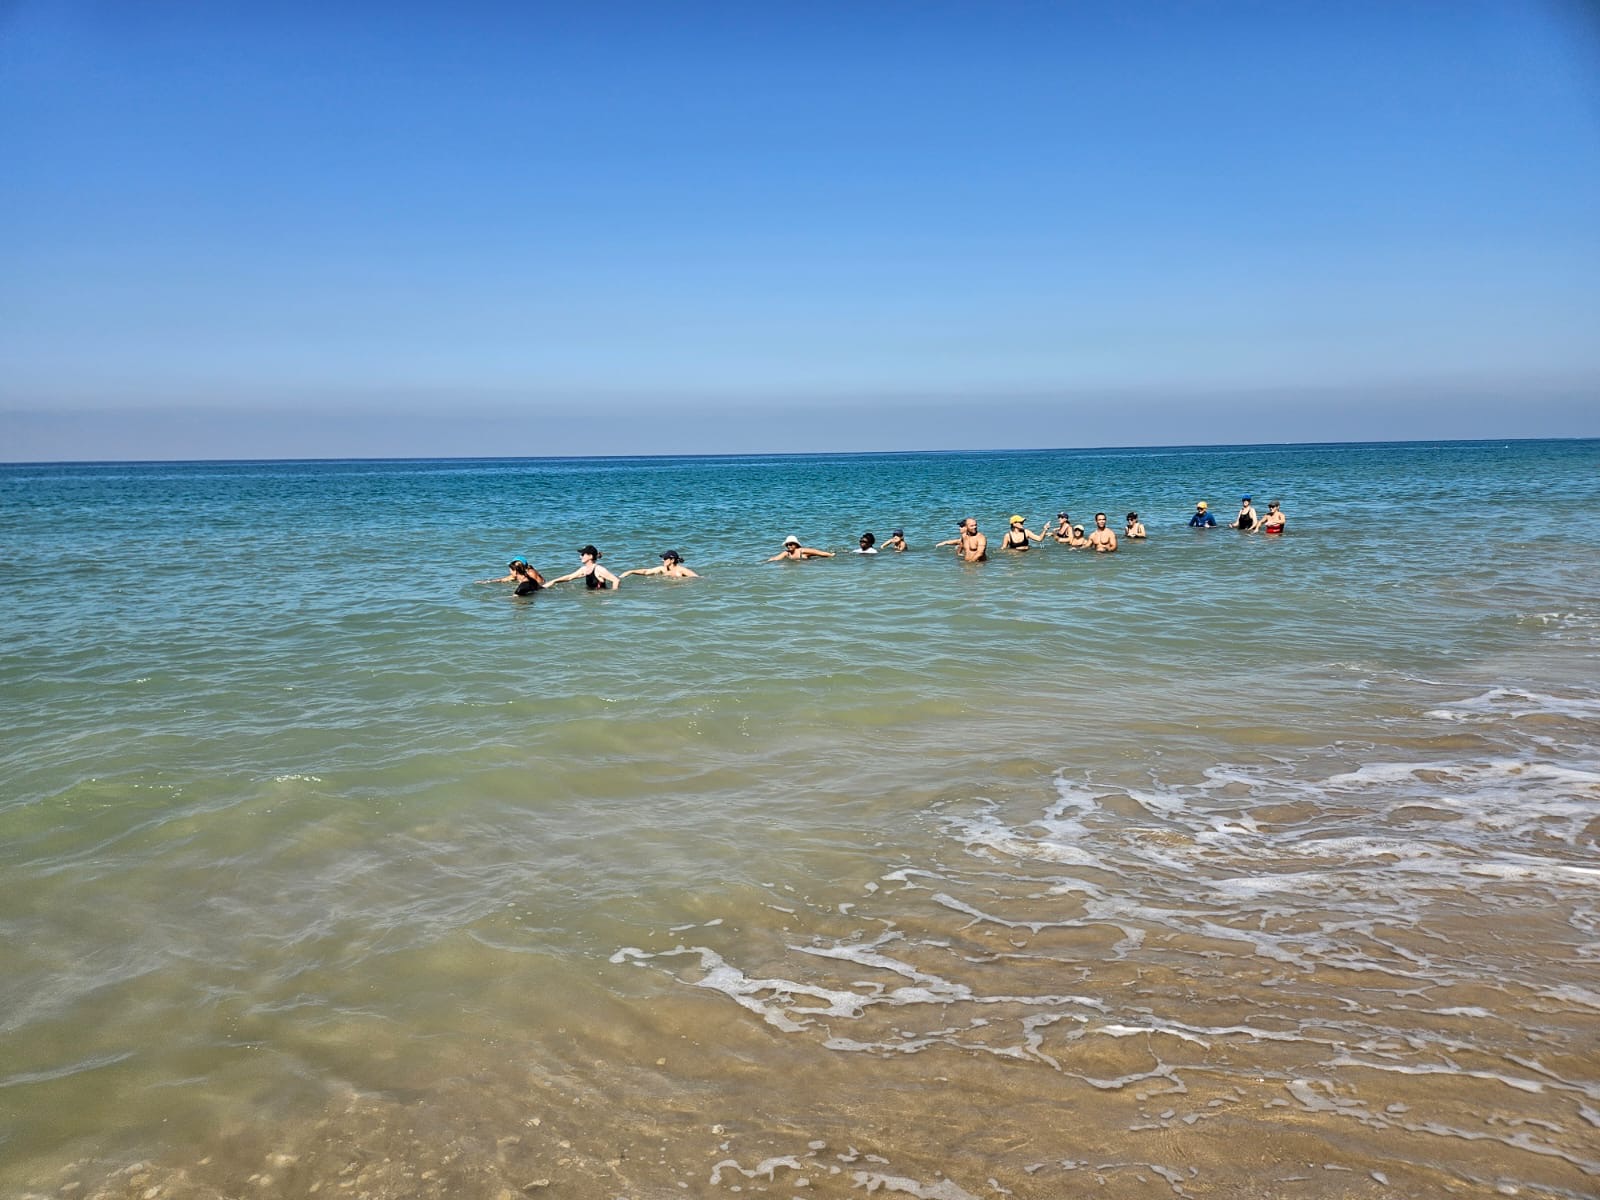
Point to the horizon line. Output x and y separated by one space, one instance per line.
513 458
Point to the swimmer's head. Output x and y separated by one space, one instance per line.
517 564
1016 519
589 552
671 556
791 540
1272 504
1133 516
1201 506
867 538
899 533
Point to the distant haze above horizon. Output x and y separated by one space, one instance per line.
244 231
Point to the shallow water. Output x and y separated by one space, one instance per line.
1222 866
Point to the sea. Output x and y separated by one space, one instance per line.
1226 865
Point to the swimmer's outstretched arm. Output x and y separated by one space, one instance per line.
643 571
604 575
502 579
948 542
578 574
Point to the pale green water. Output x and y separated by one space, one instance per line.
312 848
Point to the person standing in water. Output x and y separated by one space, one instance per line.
1135 529
671 566
525 577
793 550
1247 518
1202 518
971 546
1102 539
868 543
897 542
1274 521
595 577
1019 537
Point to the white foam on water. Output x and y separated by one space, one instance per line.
1514 704
942 1189
1572 994
1343 902
1511 1081
808 1164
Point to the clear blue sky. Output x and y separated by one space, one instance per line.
246 229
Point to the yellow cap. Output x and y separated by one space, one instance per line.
1016 518
1201 505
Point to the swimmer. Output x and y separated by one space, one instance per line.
1247 518
868 544
897 542
1063 530
1202 518
971 546
1274 521
1102 539
1019 537
792 549
671 566
1075 538
525 577
1135 529
595 577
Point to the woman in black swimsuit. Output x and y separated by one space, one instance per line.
525 577
594 576
1019 537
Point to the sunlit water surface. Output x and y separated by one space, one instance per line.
1222 866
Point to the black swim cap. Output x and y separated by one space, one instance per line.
590 551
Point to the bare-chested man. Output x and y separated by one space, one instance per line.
1102 539
971 546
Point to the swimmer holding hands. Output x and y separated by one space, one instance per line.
671 566
595 577
525 577
792 549
971 546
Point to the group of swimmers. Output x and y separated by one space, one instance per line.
1248 520
970 546
595 577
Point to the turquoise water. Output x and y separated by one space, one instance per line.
322 864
